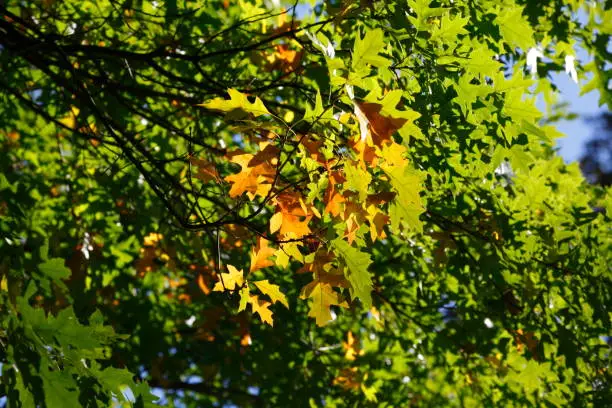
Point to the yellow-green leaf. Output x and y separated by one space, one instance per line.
273 292
237 103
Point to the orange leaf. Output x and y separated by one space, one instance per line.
252 179
351 347
268 153
202 284
528 339
377 222
294 216
260 255
366 154
284 59
293 225
348 379
351 230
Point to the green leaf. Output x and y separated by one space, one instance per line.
424 13
517 109
468 93
407 205
357 180
366 50
357 264
55 269
449 29
482 63
515 29
318 113
60 389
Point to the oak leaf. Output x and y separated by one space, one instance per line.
206 171
384 118
294 216
349 379
268 152
230 281
295 226
377 220
260 255
273 292
262 308
321 263
358 180
237 105
382 127
252 180
323 296
202 284
357 264
275 222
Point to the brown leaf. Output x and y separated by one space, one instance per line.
382 127
206 171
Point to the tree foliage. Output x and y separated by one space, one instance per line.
327 204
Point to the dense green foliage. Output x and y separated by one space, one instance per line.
333 204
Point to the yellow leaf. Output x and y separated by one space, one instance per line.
70 120
229 281
287 251
289 116
152 239
237 102
276 222
394 154
262 308
273 291
377 220
323 296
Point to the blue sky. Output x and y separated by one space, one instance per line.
578 131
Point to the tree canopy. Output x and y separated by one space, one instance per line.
334 203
